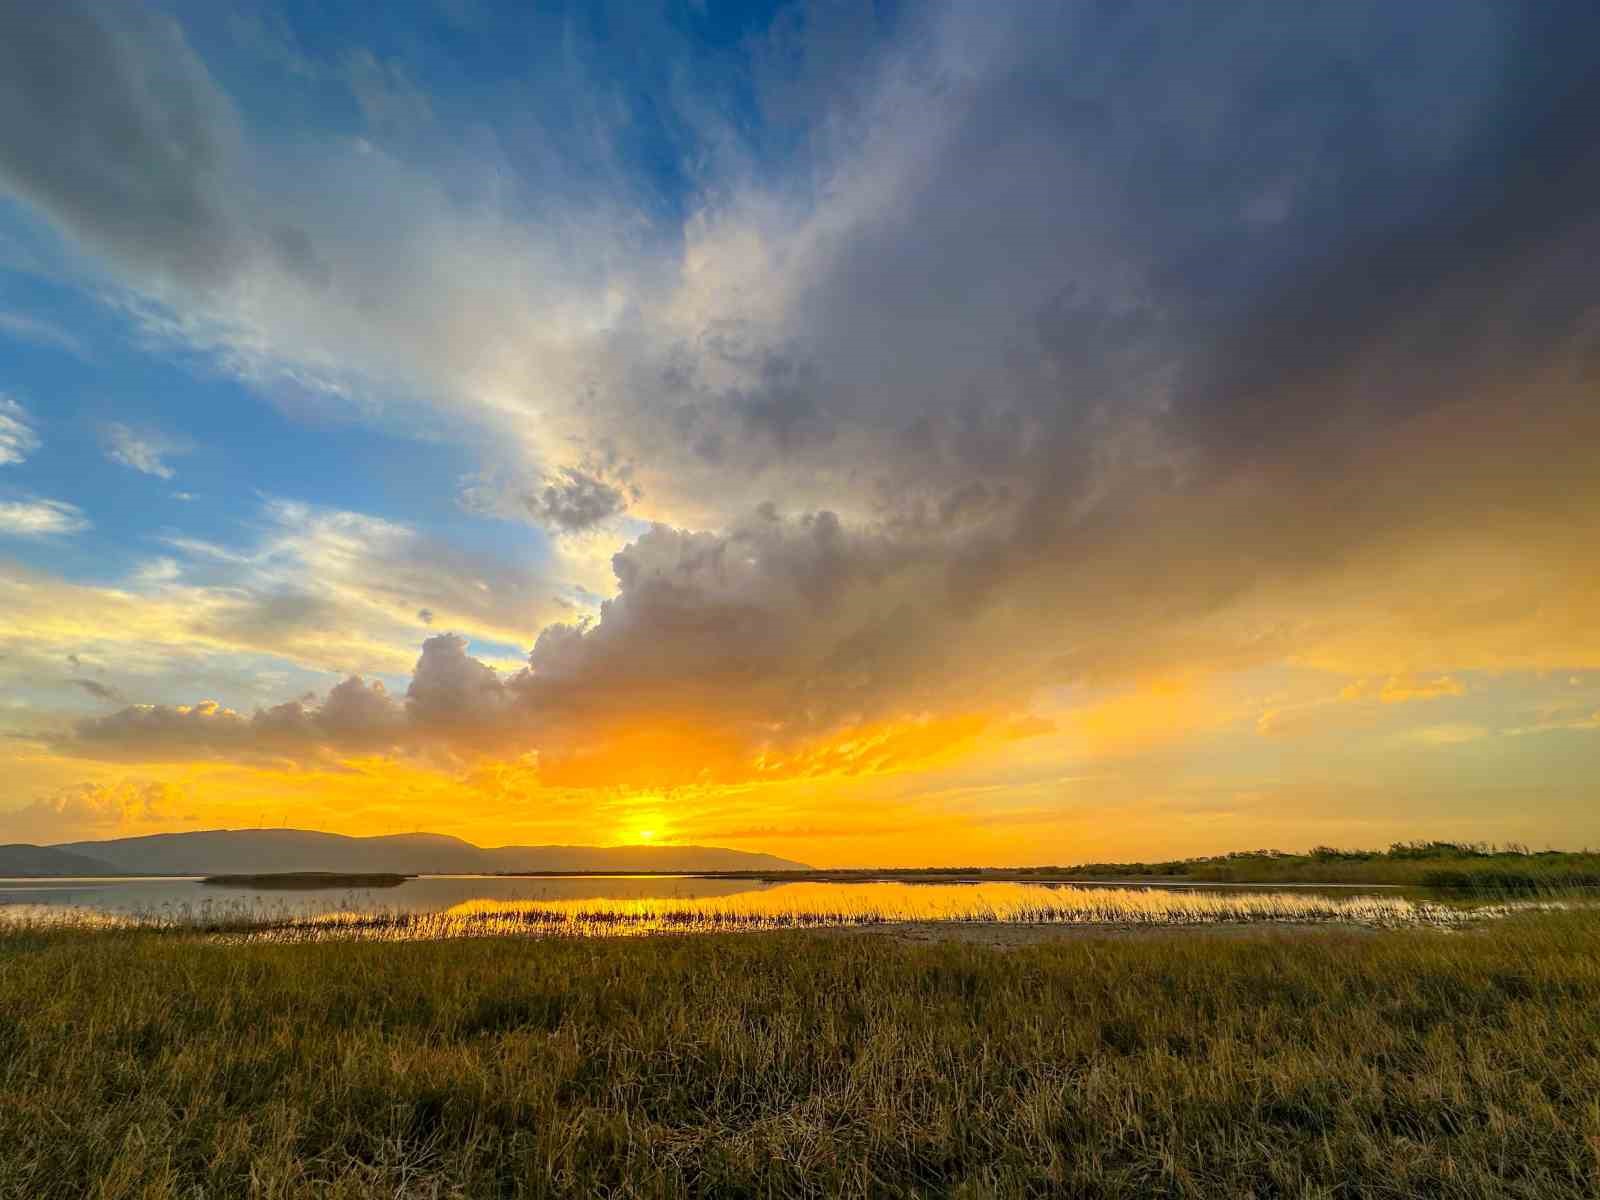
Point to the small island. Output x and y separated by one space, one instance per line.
309 880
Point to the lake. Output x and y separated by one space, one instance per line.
473 905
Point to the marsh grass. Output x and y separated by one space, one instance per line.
794 906
1456 865
1398 1064
821 906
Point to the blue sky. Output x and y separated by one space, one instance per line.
773 414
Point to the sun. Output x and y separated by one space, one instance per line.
646 834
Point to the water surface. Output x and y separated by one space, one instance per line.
473 905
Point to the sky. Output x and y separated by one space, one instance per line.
941 433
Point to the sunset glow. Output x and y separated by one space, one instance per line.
924 434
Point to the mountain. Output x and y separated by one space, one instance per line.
255 851
19 859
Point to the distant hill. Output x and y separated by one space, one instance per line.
254 851
20 859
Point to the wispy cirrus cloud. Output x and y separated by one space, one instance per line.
45 333
18 438
40 518
145 451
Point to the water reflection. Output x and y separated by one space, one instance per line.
174 898
479 906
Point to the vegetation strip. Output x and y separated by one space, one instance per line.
309 879
1470 866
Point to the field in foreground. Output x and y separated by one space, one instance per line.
1170 1064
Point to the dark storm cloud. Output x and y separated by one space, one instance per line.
112 126
115 129
1061 248
1385 294
574 502
1172 281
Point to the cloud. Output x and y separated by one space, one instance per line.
389 100
1279 722
1447 735
95 810
34 329
313 591
450 690
1354 705
573 502
17 436
355 715
143 451
1561 718
902 319
1402 690
568 501
98 690
37 518
947 405
341 589
115 129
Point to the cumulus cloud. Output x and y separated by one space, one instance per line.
766 635
452 691
18 438
37 518
765 639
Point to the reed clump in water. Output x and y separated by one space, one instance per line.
879 904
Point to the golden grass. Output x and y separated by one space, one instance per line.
1405 1063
